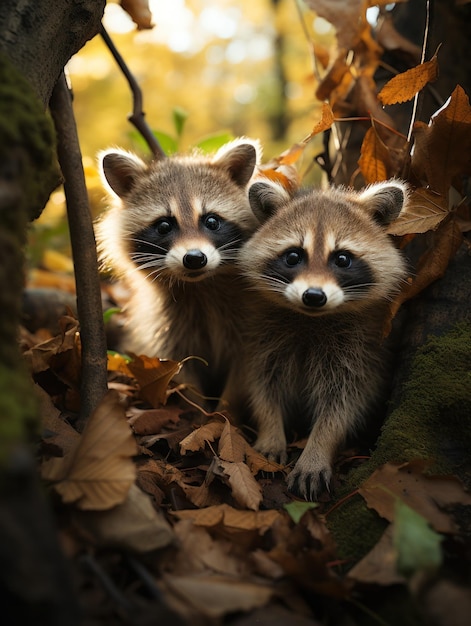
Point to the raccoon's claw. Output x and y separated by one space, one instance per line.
309 485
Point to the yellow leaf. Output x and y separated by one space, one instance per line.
403 87
99 472
57 262
326 121
374 158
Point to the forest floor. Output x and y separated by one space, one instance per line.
167 515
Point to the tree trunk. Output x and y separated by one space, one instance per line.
40 36
37 38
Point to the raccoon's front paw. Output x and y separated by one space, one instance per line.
310 482
272 449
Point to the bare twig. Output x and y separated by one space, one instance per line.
424 48
89 307
137 117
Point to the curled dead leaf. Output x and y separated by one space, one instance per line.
98 473
153 376
198 438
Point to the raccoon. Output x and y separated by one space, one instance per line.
322 270
173 234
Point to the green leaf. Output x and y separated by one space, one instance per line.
297 509
417 545
168 143
212 143
179 118
108 314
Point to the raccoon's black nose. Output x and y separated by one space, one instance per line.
194 260
314 297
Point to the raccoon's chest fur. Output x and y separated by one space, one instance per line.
189 320
312 361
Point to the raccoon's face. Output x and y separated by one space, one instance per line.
324 252
182 218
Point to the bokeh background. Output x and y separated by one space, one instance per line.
208 70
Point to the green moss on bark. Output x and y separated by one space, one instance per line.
28 173
431 422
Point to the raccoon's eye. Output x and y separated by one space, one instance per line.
164 226
293 257
343 259
212 222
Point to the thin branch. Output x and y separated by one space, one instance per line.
424 48
137 117
93 383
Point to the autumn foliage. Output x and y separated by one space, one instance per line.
152 471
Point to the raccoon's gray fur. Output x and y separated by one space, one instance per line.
173 234
322 270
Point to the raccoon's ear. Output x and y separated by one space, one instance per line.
119 171
385 200
239 159
266 198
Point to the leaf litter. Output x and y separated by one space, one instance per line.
219 534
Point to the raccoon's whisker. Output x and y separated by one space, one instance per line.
148 244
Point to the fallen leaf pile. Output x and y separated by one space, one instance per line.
153 476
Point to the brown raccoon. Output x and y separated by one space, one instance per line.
322 270
173 234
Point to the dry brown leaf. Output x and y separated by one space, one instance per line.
326 121
374 159
199 552
442 247
98 474
57 433
425 210
378 567
133 525
390 39
404 86
426 495
258 463
198 438
151 421
333 78
232 445
44 355
232 519
245 489
139 12
347 17
153 376
214 596
442 149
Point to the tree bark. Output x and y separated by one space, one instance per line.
37 38
40 36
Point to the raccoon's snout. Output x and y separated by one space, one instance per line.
195 260
314 297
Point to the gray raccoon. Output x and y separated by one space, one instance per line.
172 234
322 270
